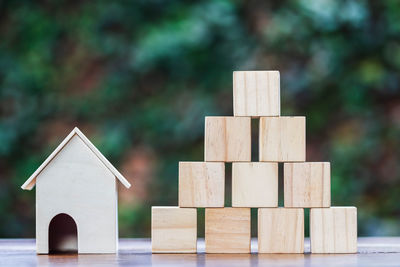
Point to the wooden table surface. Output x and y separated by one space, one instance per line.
372 251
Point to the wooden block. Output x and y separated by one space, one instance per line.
333 230
256 93
227 139
307 184
227 230
280 230
254 184
282 139
201 184
173 230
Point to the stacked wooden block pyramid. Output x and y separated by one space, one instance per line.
256 95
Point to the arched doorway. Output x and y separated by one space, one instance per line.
63 235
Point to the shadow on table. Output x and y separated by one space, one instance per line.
254 260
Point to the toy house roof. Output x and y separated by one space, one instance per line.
30 183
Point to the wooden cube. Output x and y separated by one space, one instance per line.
227 139
254 184
282 139
280 230
307 184
256 93
201 184
333 230
227 230
173 230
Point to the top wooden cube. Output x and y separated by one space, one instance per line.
256 93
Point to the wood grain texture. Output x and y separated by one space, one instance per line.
333 230
254 184
77 183
307 184
173 230
201 184
282 139
30 183
227 139
373 251
280 230
227 230
256 93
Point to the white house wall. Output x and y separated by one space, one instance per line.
77 183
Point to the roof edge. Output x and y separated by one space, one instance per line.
30 183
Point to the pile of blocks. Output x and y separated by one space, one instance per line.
256 95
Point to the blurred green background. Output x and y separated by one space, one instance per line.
138 77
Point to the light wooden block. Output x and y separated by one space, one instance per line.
201 184
173 230
307 184
254 184
227 230
227 139
256 93
333 230
282 139
280 230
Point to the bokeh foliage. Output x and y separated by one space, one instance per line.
138 77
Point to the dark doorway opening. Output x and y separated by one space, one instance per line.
63 235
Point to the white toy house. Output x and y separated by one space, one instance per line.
76 199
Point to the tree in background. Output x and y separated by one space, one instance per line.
138 77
